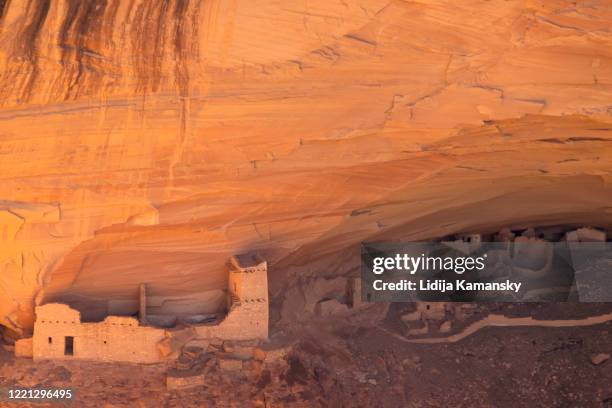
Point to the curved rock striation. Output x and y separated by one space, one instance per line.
147 141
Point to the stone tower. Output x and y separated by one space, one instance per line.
248 293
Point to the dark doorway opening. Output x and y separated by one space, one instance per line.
69 346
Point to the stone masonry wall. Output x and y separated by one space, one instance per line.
248 313
124 339
114 339
246 321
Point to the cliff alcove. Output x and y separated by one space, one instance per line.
149 141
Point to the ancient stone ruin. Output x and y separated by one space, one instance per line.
59 332
528 252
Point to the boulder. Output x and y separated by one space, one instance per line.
446 327
174 341
276 353
600 358
179 381
411 316
164 347
586 235
331 307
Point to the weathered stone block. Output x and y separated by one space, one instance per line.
276 353
182 382
446 327
600 358
411 316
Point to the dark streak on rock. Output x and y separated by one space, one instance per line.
587 139
182 73
574 139
148 38
26 46
71 14
3 6
328 53
159 41
357 38
551 140
112 10
80 38
29 35
356 213
85 38
470 168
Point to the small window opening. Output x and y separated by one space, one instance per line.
69 346
50 340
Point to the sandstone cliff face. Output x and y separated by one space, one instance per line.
146 141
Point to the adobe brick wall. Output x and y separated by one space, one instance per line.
114 339
246 321
248 313
124 339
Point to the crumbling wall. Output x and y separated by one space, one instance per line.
245 321
248 313
60 334
234 284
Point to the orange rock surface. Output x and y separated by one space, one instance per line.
146 141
